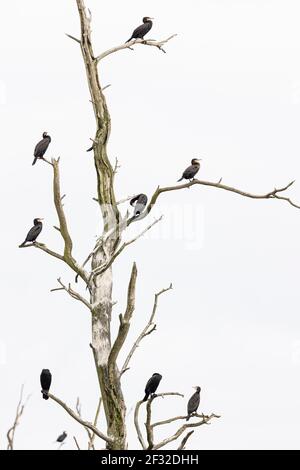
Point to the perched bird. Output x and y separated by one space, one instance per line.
152 385
140 202
33 232
41 147
62 437
193 403
190 172
45 378
142 30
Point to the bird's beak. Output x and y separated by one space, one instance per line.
151 18
40 218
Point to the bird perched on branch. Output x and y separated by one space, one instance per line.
33 232
190 172
193 403
41 147
142 30
45 379
152 385
140 202
61 437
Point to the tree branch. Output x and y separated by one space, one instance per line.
137 426
180 431
63 227
149 328
72 293
91 441
124 320
86 424
184 440
73 37
76 442
133 42
100 270
20 409
269 195
149 427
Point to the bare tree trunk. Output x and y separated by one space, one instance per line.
101 290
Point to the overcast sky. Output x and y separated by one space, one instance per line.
227 90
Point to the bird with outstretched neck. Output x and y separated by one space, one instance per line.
33 232
142 30
193 403
190 172
41 147
151 385
45 379
139 202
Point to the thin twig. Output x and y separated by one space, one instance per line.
76 442
73 37
72 293
20 409
184 440
149 328
91 441
101 269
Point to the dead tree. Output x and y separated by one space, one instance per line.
98 278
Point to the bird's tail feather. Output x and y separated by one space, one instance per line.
188 417
128 40
22 244
146 397
180 179
34 161
45 396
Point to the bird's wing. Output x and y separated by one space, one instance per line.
187 171
41 146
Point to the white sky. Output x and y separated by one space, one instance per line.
228 90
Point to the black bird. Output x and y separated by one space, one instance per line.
142 30
62 437
41 147
141 202
190 172
152 385
193 403
45 378
33 232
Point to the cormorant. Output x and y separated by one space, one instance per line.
62 437
45 382
141 202
33 232
152 385
190 172
41 147
193 403
143 29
